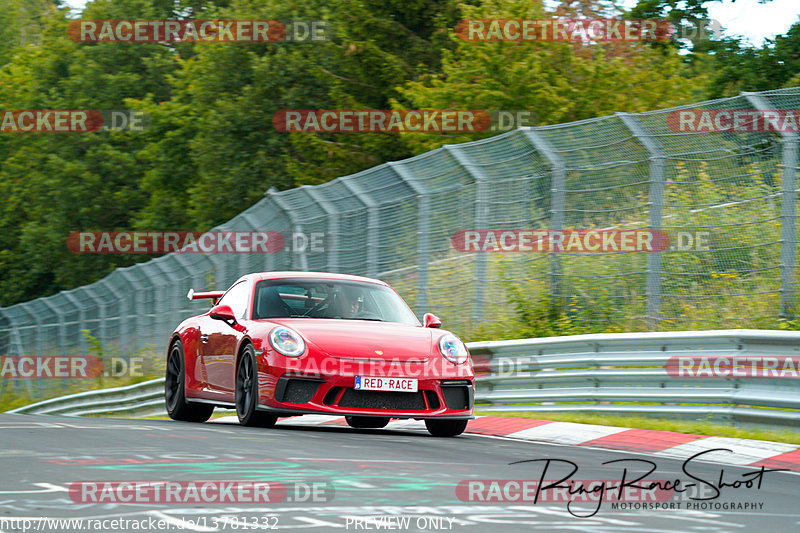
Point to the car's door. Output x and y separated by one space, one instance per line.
219 339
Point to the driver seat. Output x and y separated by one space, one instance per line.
271 305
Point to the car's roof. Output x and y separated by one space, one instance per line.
289 274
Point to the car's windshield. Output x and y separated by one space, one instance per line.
324 298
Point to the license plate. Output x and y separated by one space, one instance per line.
385 384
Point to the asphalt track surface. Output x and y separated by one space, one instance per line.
387 479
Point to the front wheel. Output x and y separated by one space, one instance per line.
247 392
367 422
175 391
446 428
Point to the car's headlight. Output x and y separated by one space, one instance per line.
287 342
453 349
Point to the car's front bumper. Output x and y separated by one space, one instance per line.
303 391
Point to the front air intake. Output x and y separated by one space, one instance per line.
296 390
458 395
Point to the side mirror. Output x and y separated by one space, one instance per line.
431 320
222 312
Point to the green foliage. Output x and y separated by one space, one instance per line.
210 149
95 346
740 68
556 82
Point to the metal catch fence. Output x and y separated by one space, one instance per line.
396 221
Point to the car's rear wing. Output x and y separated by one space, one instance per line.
215 295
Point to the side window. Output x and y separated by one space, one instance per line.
237 298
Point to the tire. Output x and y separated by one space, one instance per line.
247 392
446 428
367 422
175 390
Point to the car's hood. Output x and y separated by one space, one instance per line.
363 339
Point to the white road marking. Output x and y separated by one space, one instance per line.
311 521
743 452
356 484
45 488
54 488
566 432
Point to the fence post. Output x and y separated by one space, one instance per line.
5 333
102 333
423 244
135 312
35 348
83 347
170 308
481 218
557 203
373 224
124 321
39 337
62 326
656 204
15 341
243 258
220 270
332 243
788 205
194 280
274 195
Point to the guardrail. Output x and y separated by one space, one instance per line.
611 373
141 399
626 373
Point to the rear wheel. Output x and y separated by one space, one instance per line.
446 428
367 422
175 393
247 392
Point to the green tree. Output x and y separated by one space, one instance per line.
214 143
556 82
56 183
738 67
210 150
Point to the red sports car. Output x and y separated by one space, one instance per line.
280 344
